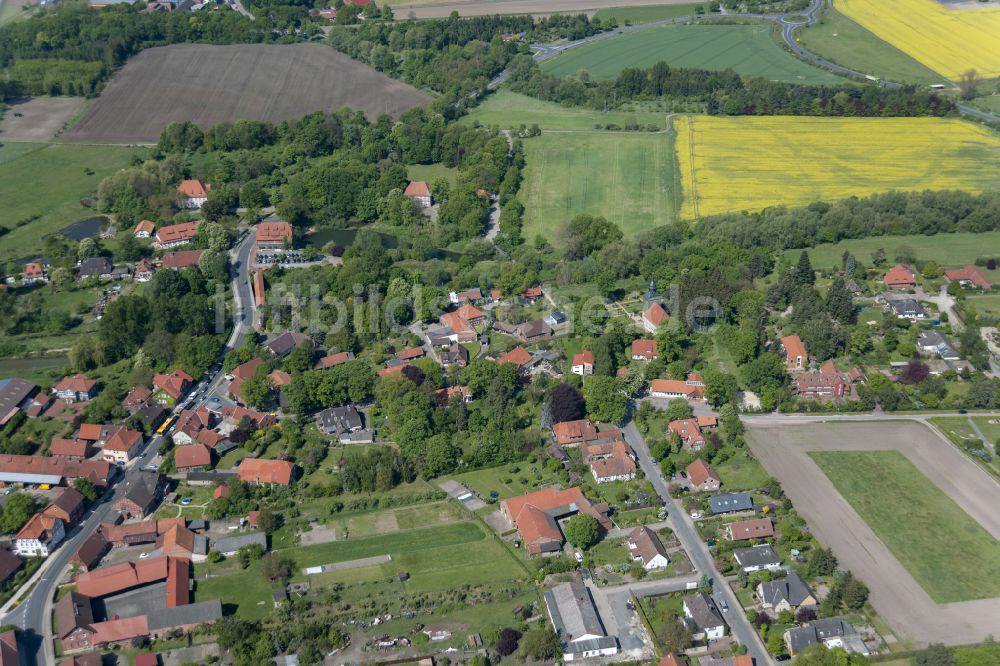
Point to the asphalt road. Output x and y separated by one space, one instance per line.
32 615
698 551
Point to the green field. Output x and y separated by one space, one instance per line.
627 178
430 172
645 14
747 49
922 527
948 250
742 475
494 479
49 180
842 41
393 520
511 110
986 305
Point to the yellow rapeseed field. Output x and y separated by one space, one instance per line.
947 40
750 163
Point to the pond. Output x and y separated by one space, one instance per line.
86 229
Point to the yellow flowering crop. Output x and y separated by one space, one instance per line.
949 41
750 163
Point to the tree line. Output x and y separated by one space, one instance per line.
725 92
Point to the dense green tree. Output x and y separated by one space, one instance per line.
582 530
16 511
606 401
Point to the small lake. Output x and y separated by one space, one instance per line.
88 228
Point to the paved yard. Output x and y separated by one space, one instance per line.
895 594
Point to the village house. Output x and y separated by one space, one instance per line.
192 456
646 548
899 277
419 193
273 236
136 398
583 364
95 267
168 389
689 432
17 395
968 277
444 396
467 296
536 516
831 631
69 449
334 360
532 331
461 323
796 358
144 229
33 273
730 503
456 354
193 193
39 536
519 356
653 317
905 308
702 477
122 446
143 493
76 388
182 259
409 354
175 234
675 388
643 350
90 552
258 471
702 617
582 431
143 271
282 344
575 620
190 423
827 384
67 506
757 528
36 470
338 420
532 294
757 558
785 594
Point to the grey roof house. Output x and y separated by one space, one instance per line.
757 558
907 308
832 631
230 545
787 593
338 420
95 266
576 622
702 617
283 344
934 342
729 502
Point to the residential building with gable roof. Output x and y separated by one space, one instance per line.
576 622
193 193
644 546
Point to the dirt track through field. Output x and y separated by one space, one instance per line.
895 594
211 84
444 9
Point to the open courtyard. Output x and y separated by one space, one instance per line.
900 458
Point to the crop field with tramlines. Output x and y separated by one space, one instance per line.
751 163
949 39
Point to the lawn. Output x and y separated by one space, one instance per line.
921 526
627 178
750 163
644 14
741 474
842 41
948 250
430 172
948 40
393 520
506 482
987 304
247 590
990 427
49 181
511 110
747 49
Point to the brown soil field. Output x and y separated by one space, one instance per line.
212 84
423 9
782 446
37 118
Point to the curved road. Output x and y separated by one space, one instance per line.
32 615
544 52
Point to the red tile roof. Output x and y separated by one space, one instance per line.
220 491
172 384
899 275
335 359
193 189
416 188
273 232
95 470
410 353
758 528
195 455
120 577
123 440
794 348
645 349
280 378
114 631
77 383
699 472
147 226
568 432
39 526
519 356
259 289
146 659
248 369
258 470
675 386
176 233
655 314
968 274
183 259
77 448
584 357
528 513
392 370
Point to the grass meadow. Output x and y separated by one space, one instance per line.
508 109
921 526
747 49
49 181
844 42
749 163
628 178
